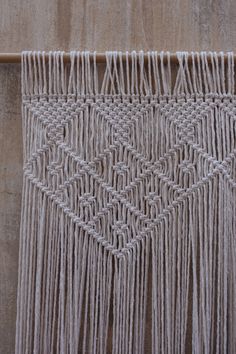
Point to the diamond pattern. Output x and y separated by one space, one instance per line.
159 150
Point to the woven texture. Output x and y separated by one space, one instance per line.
128 211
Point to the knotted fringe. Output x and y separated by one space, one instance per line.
128 227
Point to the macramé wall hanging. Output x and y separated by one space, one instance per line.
128 228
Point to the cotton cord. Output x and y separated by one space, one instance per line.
128 223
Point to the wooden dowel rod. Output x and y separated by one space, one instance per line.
6 58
